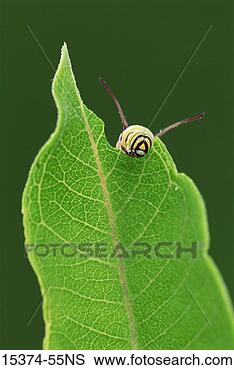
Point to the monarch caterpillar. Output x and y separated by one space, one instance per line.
136 140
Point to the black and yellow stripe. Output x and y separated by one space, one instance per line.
135 141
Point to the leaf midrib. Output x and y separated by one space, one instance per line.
112 223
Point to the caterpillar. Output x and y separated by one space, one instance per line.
136 140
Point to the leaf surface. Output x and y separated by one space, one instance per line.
84 203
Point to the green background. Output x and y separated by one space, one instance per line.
139 47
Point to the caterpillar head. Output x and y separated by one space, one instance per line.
135 141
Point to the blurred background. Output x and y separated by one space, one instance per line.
140 48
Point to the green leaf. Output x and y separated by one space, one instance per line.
81 191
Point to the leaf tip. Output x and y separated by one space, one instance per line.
64 65
64 53
64 48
